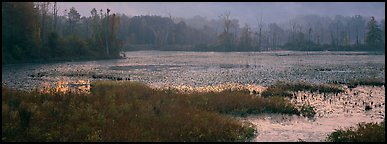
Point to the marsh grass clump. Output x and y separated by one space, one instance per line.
241 103
115 111
366 82
286 89
307 111
132 111
363 132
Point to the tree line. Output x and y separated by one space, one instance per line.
39 31
302 33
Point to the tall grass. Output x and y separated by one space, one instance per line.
240 103
372 81
363 132
285 89
130 111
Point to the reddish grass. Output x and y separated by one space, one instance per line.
113 112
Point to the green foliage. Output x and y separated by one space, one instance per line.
374 37
304 45
53 44
18 31
278 104
307 111
249 132
73 18
32 34
14 103
226 41
363 132
25 117
75 46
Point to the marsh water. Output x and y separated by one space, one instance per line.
204 68
196 69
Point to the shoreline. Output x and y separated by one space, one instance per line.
329 116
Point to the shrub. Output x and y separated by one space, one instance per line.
366 81
307 111
241 103
14 103
25 117
364 132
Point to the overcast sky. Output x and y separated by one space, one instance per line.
245 12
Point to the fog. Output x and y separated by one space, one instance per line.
245 12
257 71
83 29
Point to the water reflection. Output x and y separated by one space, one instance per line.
61 86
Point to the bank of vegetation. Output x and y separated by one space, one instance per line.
362 132
130 111
41 32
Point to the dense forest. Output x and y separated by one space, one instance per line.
40 32
37 32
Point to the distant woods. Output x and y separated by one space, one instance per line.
44 32
40 32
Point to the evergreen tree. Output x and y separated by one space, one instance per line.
384 31
374 38
74 18
20 31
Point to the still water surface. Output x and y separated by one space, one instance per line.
202 68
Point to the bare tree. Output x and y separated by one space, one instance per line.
226 36
106 31
55 12
309 38
260 26
43 9
245 38
293 27
227 21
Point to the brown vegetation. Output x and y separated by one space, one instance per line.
363 132
130 111
285 89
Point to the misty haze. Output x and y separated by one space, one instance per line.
190 71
